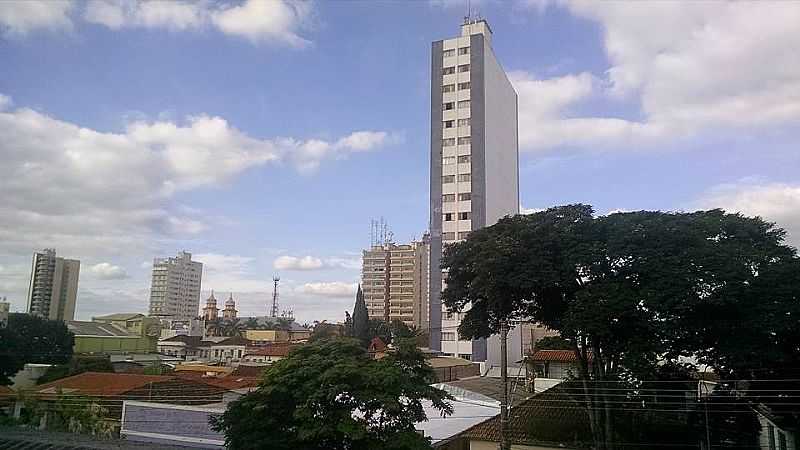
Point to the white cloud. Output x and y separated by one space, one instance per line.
107 271
335 289
5 102
261 21
174 15
20 17
287 262
775 202
256 20
113 190
297 263
690 66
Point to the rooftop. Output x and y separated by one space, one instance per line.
100 383
491 388
80 328
120 316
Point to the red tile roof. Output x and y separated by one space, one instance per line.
228 382
376 345
248 371
100 383
555 356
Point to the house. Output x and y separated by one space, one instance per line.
111 389
778 432
134 323
268 354
108 338
224 350
554 419
181 346
135 425
376 348
547 368
203 369
448 368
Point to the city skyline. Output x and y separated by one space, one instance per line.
305 105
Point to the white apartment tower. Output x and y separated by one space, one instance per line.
175 288
53 288
474 160
394 281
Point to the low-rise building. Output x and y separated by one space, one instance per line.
267 354
108 338
223 350
4 308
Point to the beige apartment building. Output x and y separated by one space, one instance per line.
394 280
53 288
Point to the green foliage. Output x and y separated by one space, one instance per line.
635 289
29 339
158 369
330 395
360 327
380 329
554 343
71 413
323 330
78 364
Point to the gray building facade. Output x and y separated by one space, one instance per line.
175 288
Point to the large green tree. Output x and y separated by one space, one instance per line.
330 395
631 291
360 326
30 339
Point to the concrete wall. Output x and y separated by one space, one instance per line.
765 435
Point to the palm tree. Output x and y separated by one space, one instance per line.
232 328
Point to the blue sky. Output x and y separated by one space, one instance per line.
263 136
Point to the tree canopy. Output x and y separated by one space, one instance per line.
360 319
330 395
634 290
29 339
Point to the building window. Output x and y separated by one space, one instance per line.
449 160
448 178
463 234
448 217
447 198
449 88
781 440
464 85
449 123
448 70
464 216
463 68
465 196
463 104
464 158
466 356
448 53
448 336
464 122
464 140
449 236
448 106
449 142
464 177
771 435
463 51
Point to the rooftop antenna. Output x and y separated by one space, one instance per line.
274 312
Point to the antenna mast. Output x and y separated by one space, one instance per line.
274 312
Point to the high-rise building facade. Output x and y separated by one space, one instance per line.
394 282
53 289
474 160
175 287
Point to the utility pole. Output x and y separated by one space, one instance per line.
504 444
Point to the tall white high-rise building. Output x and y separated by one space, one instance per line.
175 288
53 289
474 159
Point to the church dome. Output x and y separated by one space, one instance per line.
230 302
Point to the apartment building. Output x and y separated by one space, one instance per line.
175 287
394 281
474 160
53 288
